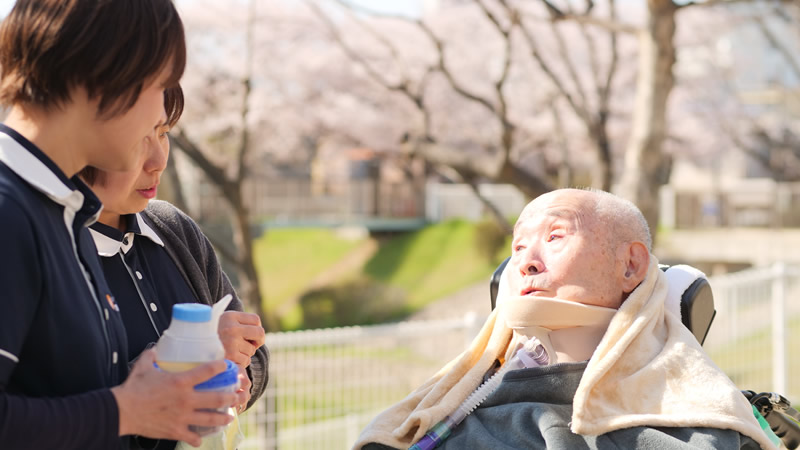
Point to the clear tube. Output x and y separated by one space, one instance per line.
532 354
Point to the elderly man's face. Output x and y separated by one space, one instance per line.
560 250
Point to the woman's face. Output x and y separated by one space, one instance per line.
129 192
115 142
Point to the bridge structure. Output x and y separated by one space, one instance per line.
721 250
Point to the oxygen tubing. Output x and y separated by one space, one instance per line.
532 354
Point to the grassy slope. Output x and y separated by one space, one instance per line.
287 260
431 263
428 264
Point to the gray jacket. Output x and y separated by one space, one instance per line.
532 409
194 256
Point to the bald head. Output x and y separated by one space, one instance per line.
619 218
586 246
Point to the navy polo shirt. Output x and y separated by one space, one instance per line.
144 279
146 283
62 340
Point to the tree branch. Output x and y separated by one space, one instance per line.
212 171
588 19
380 37
438 44
565 171
352 54
425 145
246 89
556 15
609 25
426 113
778 45
493 18
582 113
573 74
593 61
217 177
470 180
178 198
442 66
605 92
402 86
372 12
502 111
712 3
497 170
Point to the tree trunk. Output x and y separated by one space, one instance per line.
173 186
602 172
498 217
242 253
643 157
249 285
529 184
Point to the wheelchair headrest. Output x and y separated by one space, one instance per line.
689 296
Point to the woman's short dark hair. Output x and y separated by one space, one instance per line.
173 105
110 48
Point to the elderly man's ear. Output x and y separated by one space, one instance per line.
637 259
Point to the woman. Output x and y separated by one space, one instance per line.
84 83
154 256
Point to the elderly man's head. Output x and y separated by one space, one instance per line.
586 246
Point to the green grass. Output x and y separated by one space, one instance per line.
304 393
431 263
287 260
424 265
749 374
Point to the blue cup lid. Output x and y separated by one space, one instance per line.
227 378
191 312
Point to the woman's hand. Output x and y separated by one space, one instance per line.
241 335
244 387
162 405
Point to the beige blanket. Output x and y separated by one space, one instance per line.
648 370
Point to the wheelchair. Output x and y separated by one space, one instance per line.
697 314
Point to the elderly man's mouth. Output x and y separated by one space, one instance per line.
532 291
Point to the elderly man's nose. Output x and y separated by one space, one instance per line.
533 267
531 263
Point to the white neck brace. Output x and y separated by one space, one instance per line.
569 331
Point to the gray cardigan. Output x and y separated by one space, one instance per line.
194 256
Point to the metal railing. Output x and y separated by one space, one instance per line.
326 385
755 337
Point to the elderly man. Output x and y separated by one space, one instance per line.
623 371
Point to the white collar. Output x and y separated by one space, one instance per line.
108 246
37 174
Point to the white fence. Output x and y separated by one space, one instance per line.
755 337
326 385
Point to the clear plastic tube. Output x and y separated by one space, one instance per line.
532 354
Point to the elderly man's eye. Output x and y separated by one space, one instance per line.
519 248
552 237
